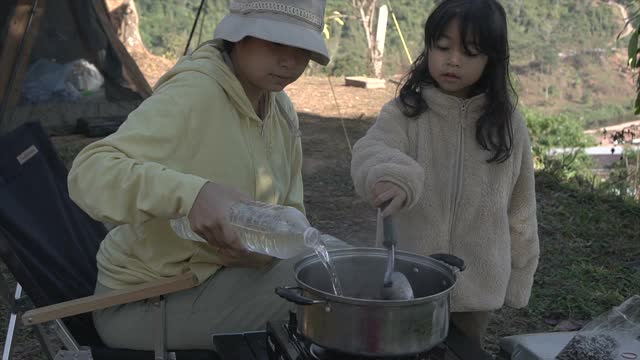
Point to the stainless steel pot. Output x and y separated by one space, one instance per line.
357 322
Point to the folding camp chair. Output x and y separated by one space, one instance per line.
49 246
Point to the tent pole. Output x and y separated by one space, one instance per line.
193 28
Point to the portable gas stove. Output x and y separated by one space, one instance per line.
283 342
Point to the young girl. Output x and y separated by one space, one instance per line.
453 156
217 129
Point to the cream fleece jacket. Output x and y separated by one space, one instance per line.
484 213
198 126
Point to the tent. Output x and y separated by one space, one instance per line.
43 44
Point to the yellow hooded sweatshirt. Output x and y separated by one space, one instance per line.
198 126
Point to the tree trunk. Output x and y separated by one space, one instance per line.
383 14
124 17
367 9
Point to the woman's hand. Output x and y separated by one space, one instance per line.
384 191
208 219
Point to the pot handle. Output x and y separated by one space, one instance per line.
450 260
291 294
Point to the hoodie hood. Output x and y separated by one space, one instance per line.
208 60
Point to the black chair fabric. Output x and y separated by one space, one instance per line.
48 243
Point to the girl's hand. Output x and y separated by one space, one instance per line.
384 191
208 218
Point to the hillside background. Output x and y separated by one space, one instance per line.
566 58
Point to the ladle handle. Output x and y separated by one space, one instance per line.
391 265
387 228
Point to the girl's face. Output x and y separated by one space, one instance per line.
453 68
267 66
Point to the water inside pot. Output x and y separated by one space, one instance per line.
361 276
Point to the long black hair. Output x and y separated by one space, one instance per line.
486 21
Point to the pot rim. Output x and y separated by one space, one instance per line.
375 252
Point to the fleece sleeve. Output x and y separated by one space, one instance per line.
381 155
523 225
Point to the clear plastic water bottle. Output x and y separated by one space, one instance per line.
278 231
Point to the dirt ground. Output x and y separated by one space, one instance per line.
332 205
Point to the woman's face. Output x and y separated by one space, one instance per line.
268 66
451 66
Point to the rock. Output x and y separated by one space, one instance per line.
569 325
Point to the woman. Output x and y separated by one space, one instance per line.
217 129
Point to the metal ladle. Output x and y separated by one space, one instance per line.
395 285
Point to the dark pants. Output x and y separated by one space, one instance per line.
472 324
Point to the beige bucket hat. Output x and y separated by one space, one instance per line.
297 23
